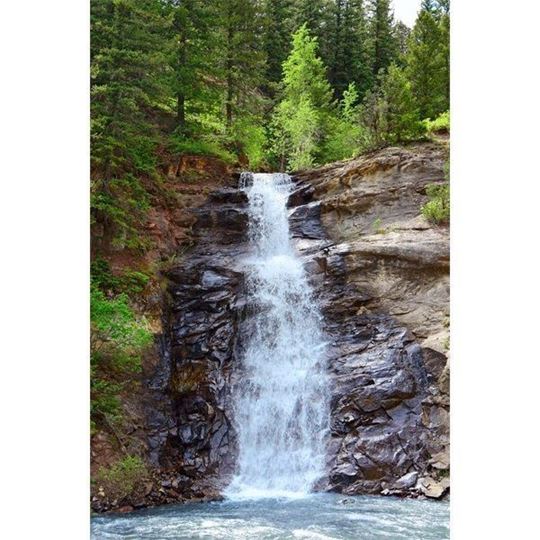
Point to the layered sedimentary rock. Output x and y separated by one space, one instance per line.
380 275
382 280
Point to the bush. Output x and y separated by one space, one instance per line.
123 479
441 124
131 282
437 209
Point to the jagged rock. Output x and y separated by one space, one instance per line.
384 297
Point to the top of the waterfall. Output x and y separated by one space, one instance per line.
279 180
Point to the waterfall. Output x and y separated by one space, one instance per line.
281 397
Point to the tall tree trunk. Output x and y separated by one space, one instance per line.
230 82
181 98
181 112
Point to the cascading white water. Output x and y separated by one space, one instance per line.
281 399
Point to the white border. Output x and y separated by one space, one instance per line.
495 291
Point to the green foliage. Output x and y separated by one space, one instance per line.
126 67
349 59
114 323
104 401
250 137
390 113
402 122
428 60
441 124
102 277
437 209
190 46
131 282
347 135
200 147
377 226
278 25
302 115
123 479
134 282
383 42
118 338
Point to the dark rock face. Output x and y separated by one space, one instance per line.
389 430
192 433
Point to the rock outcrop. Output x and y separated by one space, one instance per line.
380 274
382 280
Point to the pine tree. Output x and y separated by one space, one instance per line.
302 115
243 58
402 121
348 40
128 79
317 16
428 62
193 46
276 41
127 66
383 42
401 33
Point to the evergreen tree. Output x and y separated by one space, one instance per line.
348 40
401 33
193 46
128 80
127 66
428 62
276 41
302 115
317 16
402 121
383 42
243 58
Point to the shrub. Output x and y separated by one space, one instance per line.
437 209
102 276
124 478
133 282
441 124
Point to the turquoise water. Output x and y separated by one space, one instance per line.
316 517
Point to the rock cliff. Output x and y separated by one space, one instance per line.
383 281
380 273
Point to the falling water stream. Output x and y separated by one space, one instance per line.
280 402
281 415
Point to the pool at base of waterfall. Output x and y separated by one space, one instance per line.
314 517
